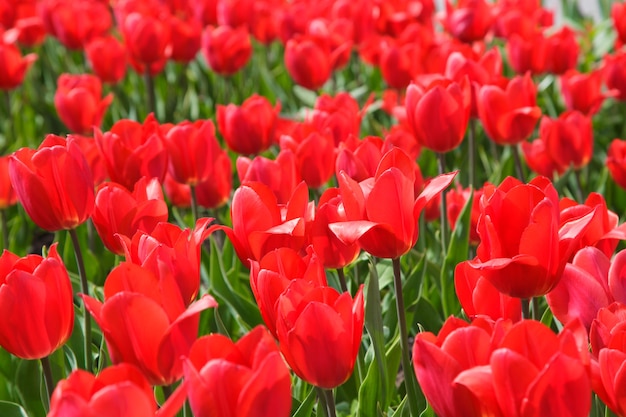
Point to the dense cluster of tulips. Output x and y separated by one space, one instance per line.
312 208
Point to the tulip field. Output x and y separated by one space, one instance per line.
275 208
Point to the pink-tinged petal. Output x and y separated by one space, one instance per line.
596 263
512 373
349 232
571 233
562 388
436 371
396 158
431 190
352 197
612 368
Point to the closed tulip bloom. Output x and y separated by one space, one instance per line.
248 129
8 197
226 49
319 332
155 346
246 379
456 199
527 52
280 175
400 62
468 20
192 148
148 39
509 115
35 303
615 74
562 51
186 38
13 66
439 113
616 161
389 230
315 157
107 57
271 276
618 16
118 211
583 91
118 391
607 328
53 183
308 61
132 150
79 103
608 379
523 248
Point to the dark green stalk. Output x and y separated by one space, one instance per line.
409 374
536 315
85 289
330 402
194 203
47 374
151 95
518 164
441 159
167 391
5 229
321 402
526 308
342 280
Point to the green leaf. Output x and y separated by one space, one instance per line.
306 407
9 409
457 252
30 387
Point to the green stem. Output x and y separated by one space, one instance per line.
526 308
330 402
472 153
518 164
321 402
85 289
167 391
149 84
536 315
47 374
342 280
194 203
441 159
5 229
409 374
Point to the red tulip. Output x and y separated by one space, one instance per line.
509 116
186 38
618 16
94 158
280 175
13 66
107 57
359 158
249 128
315 157
79 103
132 150
608 379
527 52
271 276
75 23
308 61
616 161
156 346
226 49
583 91
615 74
439 113
118 211
607 329
261 225
567 142
389 230
211 193
118 391
8 197
456 200
35 303
562 51
319 332
399 62
53 183
248 378
523 248
339 114
468 20
169 251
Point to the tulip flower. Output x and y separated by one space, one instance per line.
8 197
439 113
523 248
618 16
562 51
107 57
550 378
35 303
132 150
616 161
157 346
583 91
270 277
509 115
607 329
280 175
53 183
249 128
527 52
120 212
13 66
468 20
79 103
615 74
211 193
456 199
226 49
248 378
308 61
340 114
391 230
319 332
118 391
608 379
359 158
315 157
186 38
147 36
399 62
